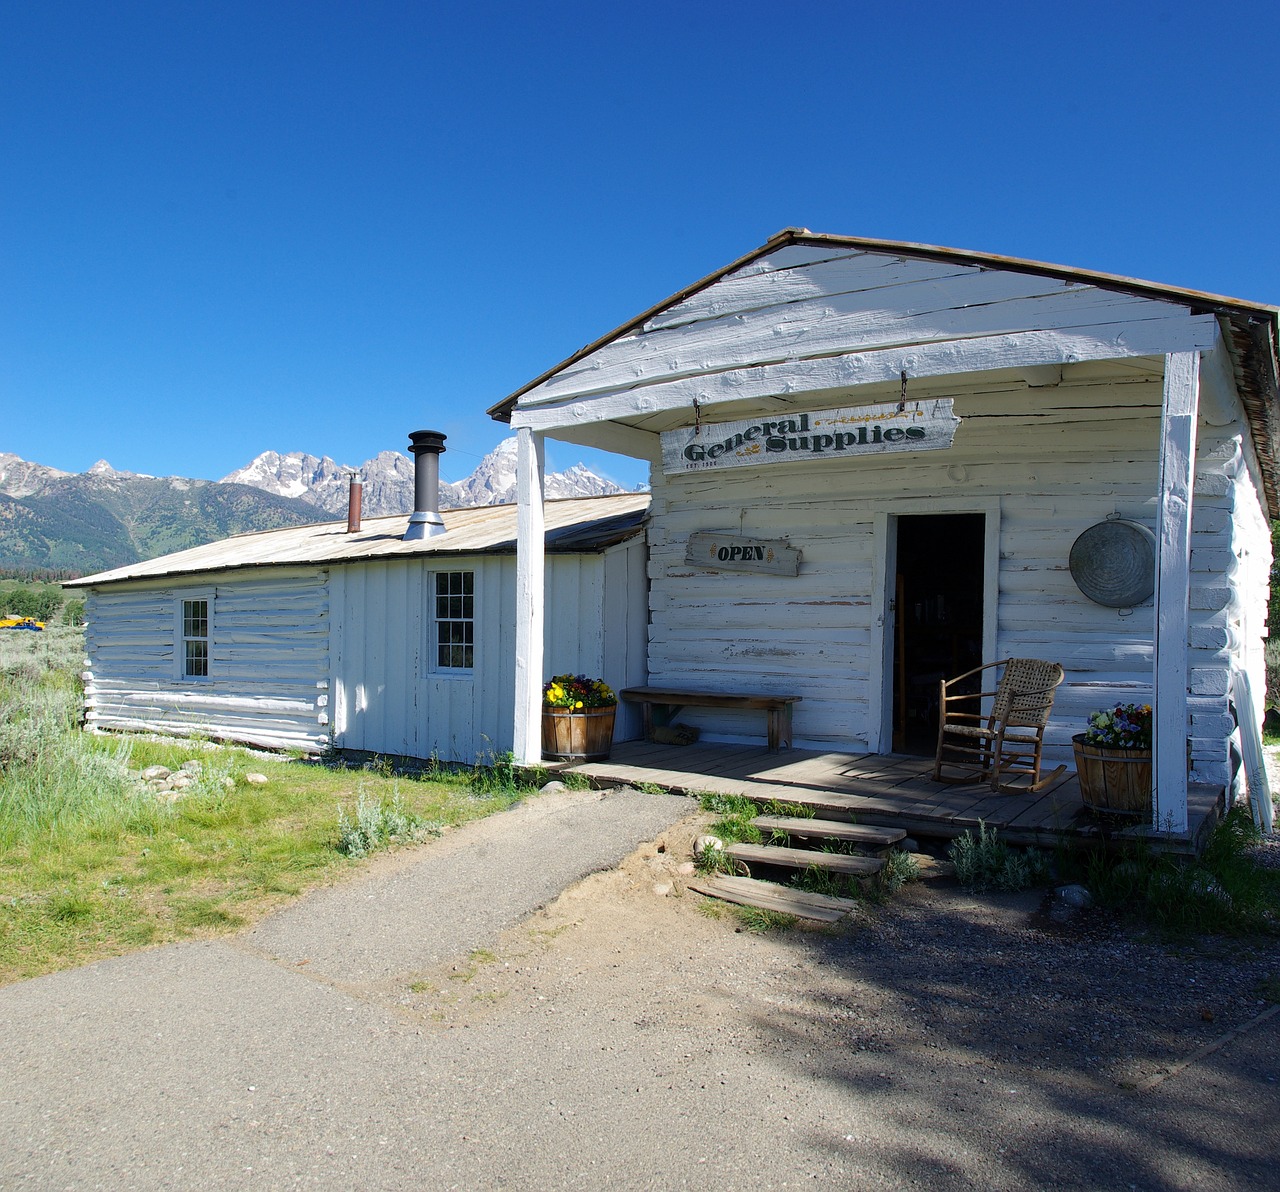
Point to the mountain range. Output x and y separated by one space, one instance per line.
76 523
388 481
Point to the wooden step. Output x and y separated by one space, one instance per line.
829 830
769 896
804 858
832 803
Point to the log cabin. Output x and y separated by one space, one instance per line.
387 635
871 462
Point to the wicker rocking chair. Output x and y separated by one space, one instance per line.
1002 747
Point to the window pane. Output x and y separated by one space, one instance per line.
195 618
454 614
197 659
195 639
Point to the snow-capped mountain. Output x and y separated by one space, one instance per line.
78 522
388 481
19 478
319 481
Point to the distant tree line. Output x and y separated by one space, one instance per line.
43 601
39 575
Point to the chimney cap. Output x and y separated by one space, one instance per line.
421 441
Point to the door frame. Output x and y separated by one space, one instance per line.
884 571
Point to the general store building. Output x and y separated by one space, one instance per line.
870 462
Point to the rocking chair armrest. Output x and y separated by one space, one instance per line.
964 695
977 670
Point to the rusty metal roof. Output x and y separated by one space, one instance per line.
1251 330
578 525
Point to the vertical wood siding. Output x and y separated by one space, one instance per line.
268 679
392 698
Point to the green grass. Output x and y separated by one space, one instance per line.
755 919
985 862
93 864
734 824
1222 892
736 813
817 880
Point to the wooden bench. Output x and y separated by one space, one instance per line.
663 704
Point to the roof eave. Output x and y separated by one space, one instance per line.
585 538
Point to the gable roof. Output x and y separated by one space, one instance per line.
1250 330
577 525
1255 320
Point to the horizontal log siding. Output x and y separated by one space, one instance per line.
823 325
793 306
268 679
1231 637
1056 460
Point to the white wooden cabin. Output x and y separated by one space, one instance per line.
312 637
805 397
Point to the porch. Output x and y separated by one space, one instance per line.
891 791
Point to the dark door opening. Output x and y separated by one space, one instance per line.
938 619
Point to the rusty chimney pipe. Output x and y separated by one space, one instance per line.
355 501
425 521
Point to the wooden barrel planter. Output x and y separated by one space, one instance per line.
1113 781
584 735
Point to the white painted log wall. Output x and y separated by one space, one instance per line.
1233 638
391 701
809 319
269 660
1057 460
823 325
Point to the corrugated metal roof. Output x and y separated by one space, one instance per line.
1251 329
577 525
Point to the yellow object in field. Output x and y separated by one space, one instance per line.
21 623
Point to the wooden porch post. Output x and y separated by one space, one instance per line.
1173 580
530 595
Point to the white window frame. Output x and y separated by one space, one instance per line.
434 621
181 636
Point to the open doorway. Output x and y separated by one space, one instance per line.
938 620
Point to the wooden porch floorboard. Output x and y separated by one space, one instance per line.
888 790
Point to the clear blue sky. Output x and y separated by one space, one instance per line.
228 227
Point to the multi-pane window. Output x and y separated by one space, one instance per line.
455 620
195 639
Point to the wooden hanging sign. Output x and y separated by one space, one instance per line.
928 425
732 552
